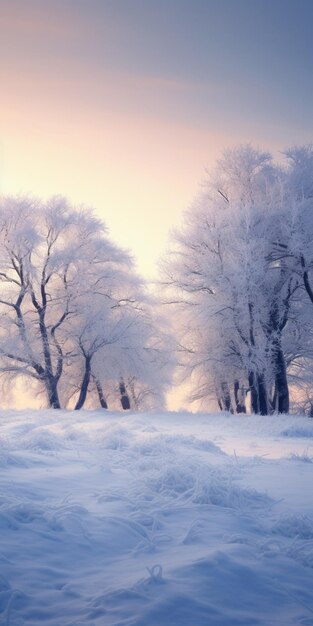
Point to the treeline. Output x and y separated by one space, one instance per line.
80 325
239 275
76 321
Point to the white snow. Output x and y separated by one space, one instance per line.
169 519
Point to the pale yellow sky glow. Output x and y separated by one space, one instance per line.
121 140
138 172
137 176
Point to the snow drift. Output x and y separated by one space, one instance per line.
138 520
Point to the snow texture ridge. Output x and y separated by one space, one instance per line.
149 519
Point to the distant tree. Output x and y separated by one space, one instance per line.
140 358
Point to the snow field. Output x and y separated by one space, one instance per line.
149 519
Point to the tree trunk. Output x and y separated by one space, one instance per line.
124 396
102 400
239 398
226 399
52 392
262 395
259 404
50 380
219 402
84 386
281 394
131 386
253 393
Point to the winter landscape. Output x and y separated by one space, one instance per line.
156 313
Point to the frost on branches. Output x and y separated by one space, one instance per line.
75 319
239 273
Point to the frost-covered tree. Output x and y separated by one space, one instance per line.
233 293
292 247
69 300
139 356
295 240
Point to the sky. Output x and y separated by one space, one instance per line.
121 105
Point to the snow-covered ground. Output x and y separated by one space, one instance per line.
155 519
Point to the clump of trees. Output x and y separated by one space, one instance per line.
75 318
240 275
78 322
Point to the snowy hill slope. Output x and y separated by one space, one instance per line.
149 519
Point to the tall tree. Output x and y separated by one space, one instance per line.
74 315
233 296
